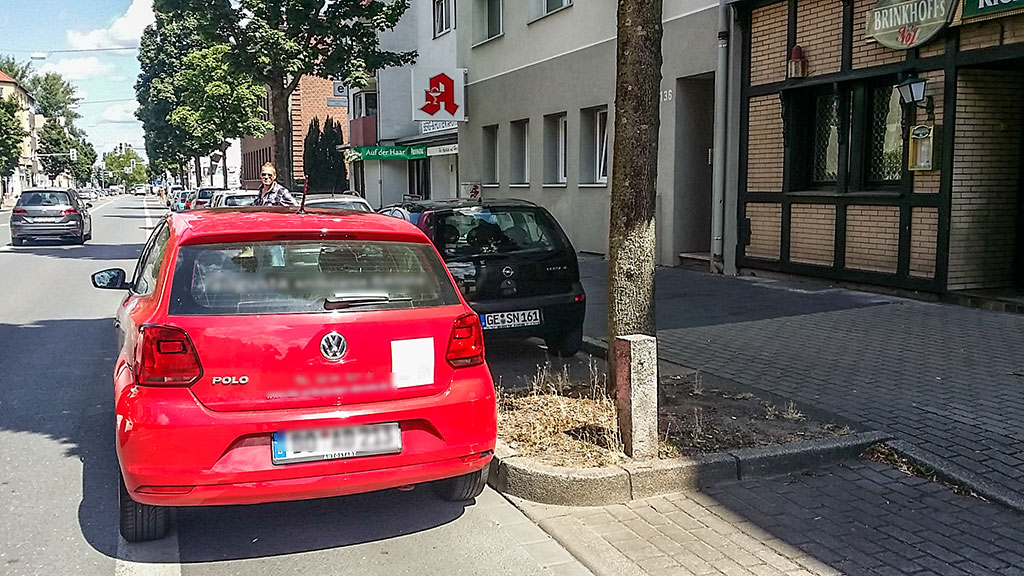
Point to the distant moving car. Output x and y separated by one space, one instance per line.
339 201
513 263
140 190
87 194
45 213
232 198
370 376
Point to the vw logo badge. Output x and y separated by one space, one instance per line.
508 271
333 346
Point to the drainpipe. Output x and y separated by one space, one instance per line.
719 155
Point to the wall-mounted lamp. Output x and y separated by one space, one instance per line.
797 64
912 92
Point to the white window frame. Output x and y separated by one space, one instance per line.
561 169
526 152
487 19
442 17
545 10
601 146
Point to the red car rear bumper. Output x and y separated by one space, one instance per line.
174 451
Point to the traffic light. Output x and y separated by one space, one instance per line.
74 154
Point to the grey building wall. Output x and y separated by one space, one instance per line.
565 63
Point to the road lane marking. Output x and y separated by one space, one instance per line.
149 220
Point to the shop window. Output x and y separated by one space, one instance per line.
885 153
490 157
442 17
419 179
520 152
846 139
825 143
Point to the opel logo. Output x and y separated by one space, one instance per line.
508 271
333 346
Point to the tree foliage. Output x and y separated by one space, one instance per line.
54 139
20 71
55 96
12 135
279 41
164 46
117 161
216 105
323 163
81 169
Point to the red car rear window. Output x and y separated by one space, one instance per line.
278 277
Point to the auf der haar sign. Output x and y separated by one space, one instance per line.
439 95
904 25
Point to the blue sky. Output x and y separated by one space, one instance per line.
104 79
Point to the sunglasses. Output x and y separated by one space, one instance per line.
267 174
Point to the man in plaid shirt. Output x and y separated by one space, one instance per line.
270 193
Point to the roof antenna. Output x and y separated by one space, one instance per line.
302 205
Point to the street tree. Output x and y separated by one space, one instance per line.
20 71
55 96
279 42
81 168
54 146
162 51
12 136
217 104
116 162
632 238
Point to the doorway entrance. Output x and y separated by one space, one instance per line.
694 135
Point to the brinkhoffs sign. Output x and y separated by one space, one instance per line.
903 25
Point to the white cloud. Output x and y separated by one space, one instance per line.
125 30
121 113
78 68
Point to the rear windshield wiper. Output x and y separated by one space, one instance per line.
338 302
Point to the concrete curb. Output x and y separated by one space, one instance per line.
531 480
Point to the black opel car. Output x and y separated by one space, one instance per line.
514 265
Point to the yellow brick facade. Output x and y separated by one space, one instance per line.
768 44
812 237
765 230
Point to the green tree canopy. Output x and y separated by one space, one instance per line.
81 168
55 96
20 71
117 162
278 42
54 139
12 135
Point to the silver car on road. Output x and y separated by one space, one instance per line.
51 213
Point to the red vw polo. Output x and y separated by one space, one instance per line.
269 355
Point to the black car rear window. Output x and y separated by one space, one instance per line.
478 230
277 277
45 199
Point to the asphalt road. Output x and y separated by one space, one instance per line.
58 476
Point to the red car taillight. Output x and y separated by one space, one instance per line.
68 211
466 346
21 211
166 357
188 204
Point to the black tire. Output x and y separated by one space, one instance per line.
461 488
79 240
566 344
140 522
87 237
17 241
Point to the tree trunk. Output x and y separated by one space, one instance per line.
631 237
224 165
281 118
199 171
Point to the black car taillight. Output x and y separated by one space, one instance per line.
466 346
166 357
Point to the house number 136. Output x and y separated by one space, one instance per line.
666 95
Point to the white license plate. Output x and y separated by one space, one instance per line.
334 443
43 219
516 319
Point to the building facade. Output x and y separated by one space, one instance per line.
27 174
313 98
541 92
400 152
836 176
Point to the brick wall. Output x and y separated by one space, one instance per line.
812 234
866 52
765 230
986 179
819 31
924 234
872 238
928 182
1001 31
765 146
310 101
768 47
